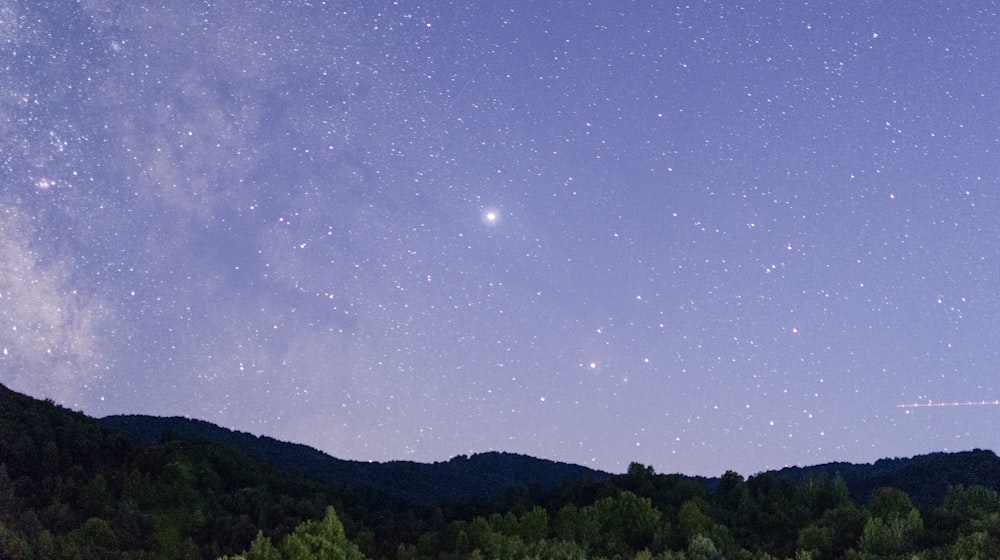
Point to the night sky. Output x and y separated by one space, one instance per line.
712 236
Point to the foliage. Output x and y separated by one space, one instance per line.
72 487
462 479
322 539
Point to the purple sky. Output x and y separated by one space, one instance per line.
708 237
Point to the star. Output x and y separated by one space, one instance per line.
491 216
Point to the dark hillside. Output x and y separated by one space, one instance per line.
925 478
142 487
71 487
480 477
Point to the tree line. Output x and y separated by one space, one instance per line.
71 488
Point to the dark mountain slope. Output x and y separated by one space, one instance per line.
925 478
71 487
142 487
40 438
463 479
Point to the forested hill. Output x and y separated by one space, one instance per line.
75 487
925 478
462 479
143 488
484 476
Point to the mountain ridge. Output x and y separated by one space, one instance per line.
925 478
481 476
150 487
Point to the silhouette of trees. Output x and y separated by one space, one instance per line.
71 488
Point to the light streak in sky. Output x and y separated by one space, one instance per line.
929 404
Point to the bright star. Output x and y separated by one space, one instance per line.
491 216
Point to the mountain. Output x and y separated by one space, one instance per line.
925 478
144 487
483 476
74 486
487 476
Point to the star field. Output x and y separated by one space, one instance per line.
703 237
